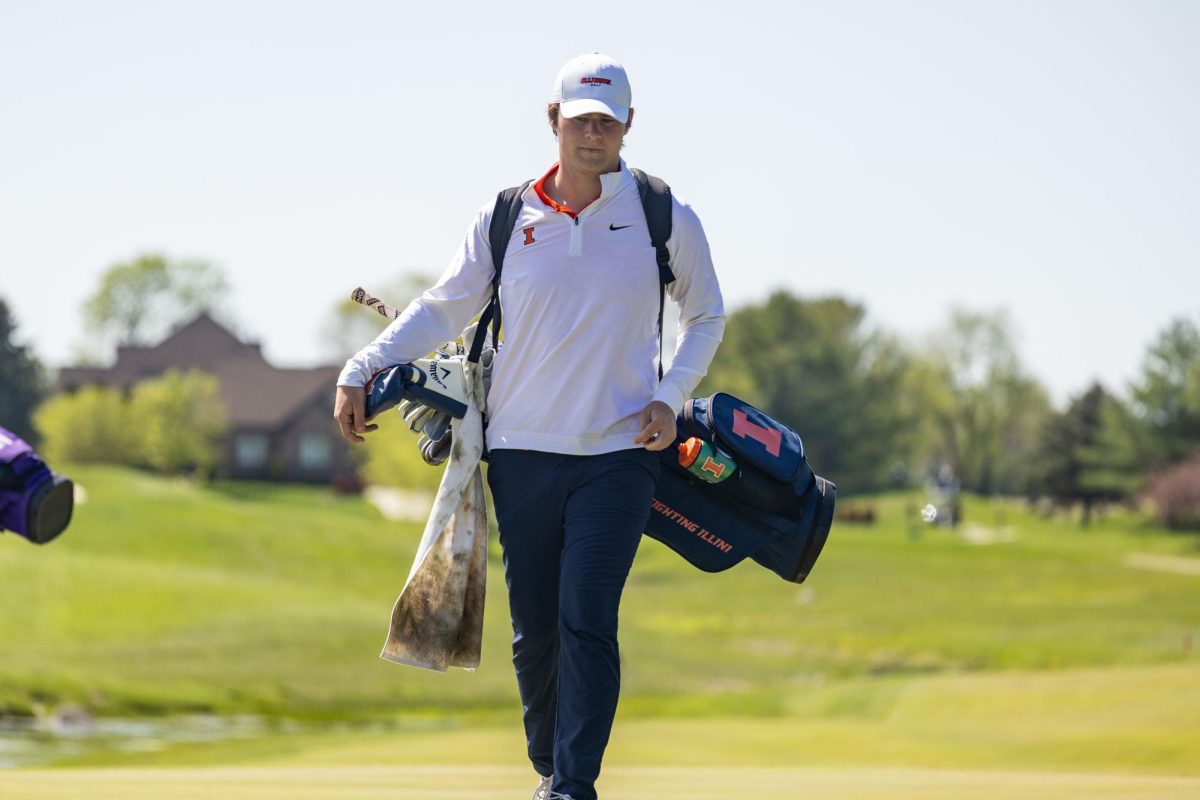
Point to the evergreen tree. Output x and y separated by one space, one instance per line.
1072 467
1113 466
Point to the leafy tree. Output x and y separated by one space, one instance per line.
815 366
182 421
92 425
21 380
172 424
138 301
1166 397
984 413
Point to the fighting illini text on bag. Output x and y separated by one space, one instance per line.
773 508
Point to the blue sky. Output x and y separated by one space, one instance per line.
1042 157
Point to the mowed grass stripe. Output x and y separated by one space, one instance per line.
1128 719
459 782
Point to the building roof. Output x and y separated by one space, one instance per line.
256 394
266 397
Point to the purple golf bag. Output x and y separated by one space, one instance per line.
772 509
34 502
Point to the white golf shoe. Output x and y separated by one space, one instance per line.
542 792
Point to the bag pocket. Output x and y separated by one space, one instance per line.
748 434
773 473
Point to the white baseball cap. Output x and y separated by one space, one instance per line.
592 83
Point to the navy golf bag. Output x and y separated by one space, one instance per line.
34 502
773 509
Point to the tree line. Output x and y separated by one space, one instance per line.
875 412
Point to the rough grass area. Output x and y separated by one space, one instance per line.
1017 644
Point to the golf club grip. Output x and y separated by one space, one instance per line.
359 295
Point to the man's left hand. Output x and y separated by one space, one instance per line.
658 426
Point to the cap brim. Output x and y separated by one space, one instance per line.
588 105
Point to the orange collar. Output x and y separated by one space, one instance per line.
540 188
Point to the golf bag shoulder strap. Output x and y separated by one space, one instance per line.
504 219
656 203
655 195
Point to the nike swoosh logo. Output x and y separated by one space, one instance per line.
612 227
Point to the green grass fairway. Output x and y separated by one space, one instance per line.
164 598
451 782
1001 661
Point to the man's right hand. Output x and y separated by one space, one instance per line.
350 411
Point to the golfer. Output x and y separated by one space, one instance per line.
576 412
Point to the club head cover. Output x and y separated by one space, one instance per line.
35 502
442 384
387 388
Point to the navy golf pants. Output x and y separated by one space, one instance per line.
569 527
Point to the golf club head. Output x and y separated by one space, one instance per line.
435 453
417 416
437 426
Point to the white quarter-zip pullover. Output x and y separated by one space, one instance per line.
579 294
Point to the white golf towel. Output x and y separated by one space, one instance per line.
437 621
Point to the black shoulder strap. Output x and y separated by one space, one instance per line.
504 219
656 203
